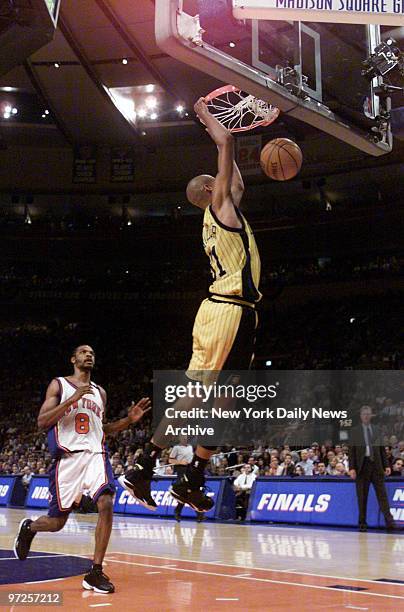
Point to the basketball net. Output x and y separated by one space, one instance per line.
239 111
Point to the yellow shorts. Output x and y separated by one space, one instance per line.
223 339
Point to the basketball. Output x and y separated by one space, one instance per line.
281 159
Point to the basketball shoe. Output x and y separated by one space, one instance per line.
22 542
190 489
137 482
97 581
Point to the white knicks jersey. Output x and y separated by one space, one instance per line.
81 427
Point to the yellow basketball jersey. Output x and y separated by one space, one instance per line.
234 258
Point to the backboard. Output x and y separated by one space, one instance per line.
311 71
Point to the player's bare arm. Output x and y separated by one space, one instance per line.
222 197
237 185
135 413
52 410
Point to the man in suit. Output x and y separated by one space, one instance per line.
368 464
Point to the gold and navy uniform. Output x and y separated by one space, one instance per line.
224 329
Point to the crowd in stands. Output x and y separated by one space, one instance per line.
172 276
354 333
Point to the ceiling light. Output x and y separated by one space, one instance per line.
14 111
150 88
232 44
7 109
46 112
151 102
180 108
154 116
57 65
6 115
142 113
124 61
7 88
43 116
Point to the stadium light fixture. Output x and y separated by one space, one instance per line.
151 102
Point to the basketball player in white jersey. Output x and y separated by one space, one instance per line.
73 414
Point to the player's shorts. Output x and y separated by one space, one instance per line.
75 474
223 339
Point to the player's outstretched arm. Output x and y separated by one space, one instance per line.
222 197
52 410
135 413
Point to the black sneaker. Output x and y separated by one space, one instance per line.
137 482
97 581
22 542
189 489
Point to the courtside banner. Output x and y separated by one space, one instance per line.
6 489
166 504
319 501
38 492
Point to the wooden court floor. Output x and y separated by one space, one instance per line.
162 565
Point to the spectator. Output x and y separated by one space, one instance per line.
399 450
397 469
340 469
320 469
332 467
389 456
242 487
26 476
305 463
286 468
253 465
119 470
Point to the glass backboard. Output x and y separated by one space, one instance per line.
312 71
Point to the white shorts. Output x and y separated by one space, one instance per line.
76 474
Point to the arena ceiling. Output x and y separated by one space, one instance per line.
100 48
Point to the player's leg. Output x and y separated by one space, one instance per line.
96 580
99 478
225 341
54 521
28 530
137 481
103 529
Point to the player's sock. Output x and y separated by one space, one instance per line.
199 463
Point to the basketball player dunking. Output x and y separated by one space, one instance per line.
73 414
224 329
